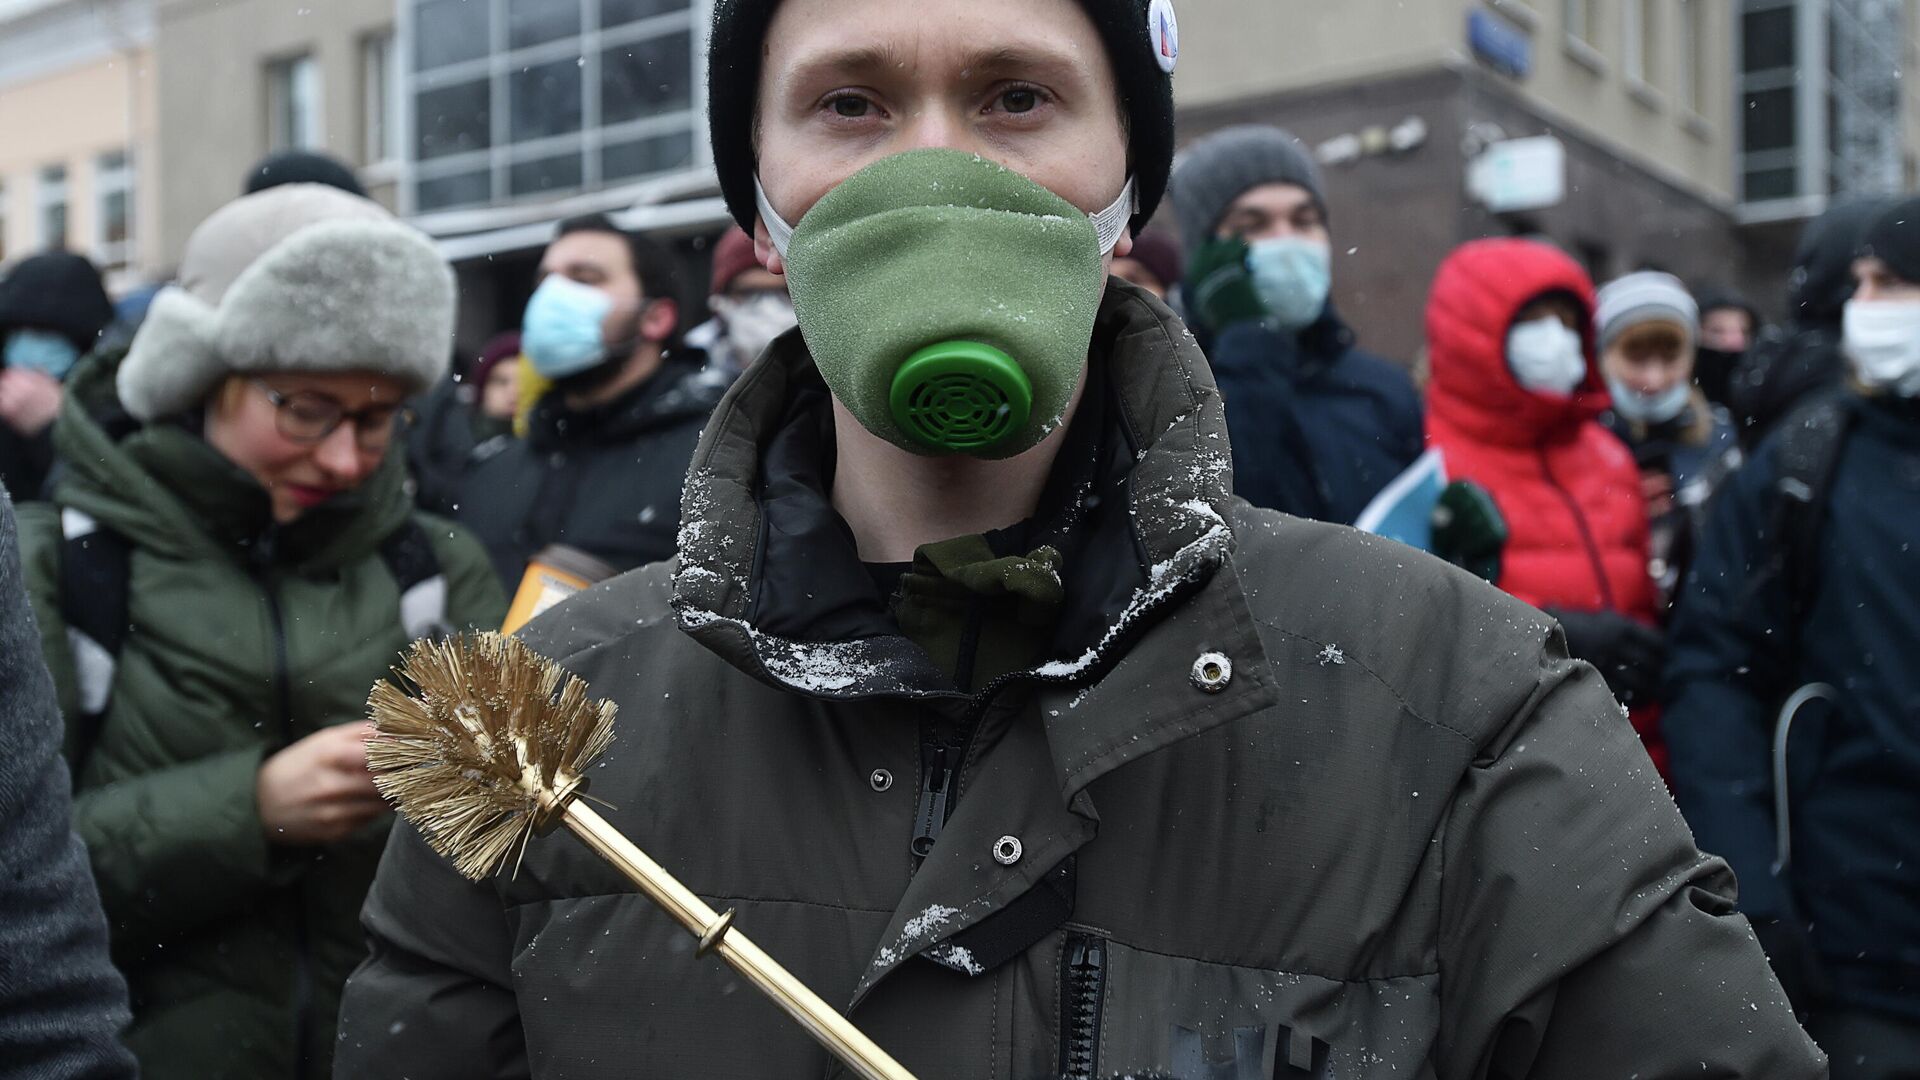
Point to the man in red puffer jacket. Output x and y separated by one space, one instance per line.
1512 403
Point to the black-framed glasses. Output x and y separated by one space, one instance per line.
307 417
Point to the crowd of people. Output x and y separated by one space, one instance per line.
237 505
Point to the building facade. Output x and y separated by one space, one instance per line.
77 122
1695 136
239 78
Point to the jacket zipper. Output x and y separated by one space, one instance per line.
944 776
930 813
1083 991
263 553
1586 533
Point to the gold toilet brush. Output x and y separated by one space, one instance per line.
491 748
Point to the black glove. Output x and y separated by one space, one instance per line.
1628 654
1789 949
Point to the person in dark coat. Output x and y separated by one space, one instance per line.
607 447
1647 329
465 419
1729 325
1794 658
1789 363
53 309
62 1004
1318 425
1060 758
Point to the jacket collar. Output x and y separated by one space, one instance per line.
677 391
1165 431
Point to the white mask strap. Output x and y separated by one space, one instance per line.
1108 224
778 230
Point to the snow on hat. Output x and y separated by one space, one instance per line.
1142 42
1648 296
1230 162
301 277
1893 237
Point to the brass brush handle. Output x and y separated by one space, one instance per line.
717 934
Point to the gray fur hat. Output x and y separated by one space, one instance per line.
1223 165
302 277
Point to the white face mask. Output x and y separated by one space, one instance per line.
754 321
1882 338
1546 357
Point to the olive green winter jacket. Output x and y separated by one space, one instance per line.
1282 800
243 637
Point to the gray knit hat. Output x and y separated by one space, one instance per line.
301 277
1645 297
1219 168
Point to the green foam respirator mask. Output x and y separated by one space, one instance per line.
948 301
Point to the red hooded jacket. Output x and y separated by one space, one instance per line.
1568 488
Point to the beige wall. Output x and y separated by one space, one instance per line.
1248 48
71 117
212 91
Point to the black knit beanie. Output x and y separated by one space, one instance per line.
1893 237
56 291
1146 94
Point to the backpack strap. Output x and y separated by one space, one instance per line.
410 558
1810 446
93 599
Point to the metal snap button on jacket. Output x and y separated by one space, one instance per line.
881 779
1212 672
1006 850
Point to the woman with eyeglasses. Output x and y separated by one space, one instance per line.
229 561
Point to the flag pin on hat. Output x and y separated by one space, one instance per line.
1164 30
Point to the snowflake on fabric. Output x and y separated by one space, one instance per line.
1332 655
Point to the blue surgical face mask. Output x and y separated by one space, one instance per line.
561 330
1292 277
49 353
1649 408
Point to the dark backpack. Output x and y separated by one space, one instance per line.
94 585
1811 440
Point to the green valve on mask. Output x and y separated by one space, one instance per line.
960 396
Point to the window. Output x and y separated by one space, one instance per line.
379 99
113 216
293 104
53 207
1770 121
1642 34
527 99
1694 39
1581 18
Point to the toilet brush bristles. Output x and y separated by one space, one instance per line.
492 740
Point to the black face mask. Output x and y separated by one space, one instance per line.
1713 369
